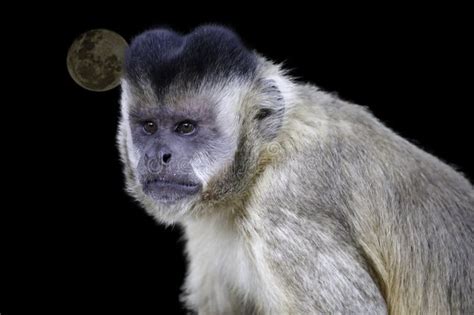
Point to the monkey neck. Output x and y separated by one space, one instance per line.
234 187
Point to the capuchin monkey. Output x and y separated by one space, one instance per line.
292 201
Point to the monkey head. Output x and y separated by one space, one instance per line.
198 112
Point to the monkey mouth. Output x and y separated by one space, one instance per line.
168 191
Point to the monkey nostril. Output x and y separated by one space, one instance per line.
166 158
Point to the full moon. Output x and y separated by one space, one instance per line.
95 59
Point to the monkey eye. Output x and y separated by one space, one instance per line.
185 127
149 127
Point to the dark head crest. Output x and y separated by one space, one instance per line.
209 52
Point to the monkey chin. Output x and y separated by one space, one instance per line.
170 202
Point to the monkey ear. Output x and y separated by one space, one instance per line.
271 110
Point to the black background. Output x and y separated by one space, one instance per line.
75 242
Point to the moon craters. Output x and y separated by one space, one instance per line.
95 59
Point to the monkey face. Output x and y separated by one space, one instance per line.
177 145
174 145
166 145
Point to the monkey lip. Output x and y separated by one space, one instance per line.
170 190
172 183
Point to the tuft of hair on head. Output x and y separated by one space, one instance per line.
210 52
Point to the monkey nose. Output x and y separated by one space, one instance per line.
166 158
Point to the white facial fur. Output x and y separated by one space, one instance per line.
206 163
